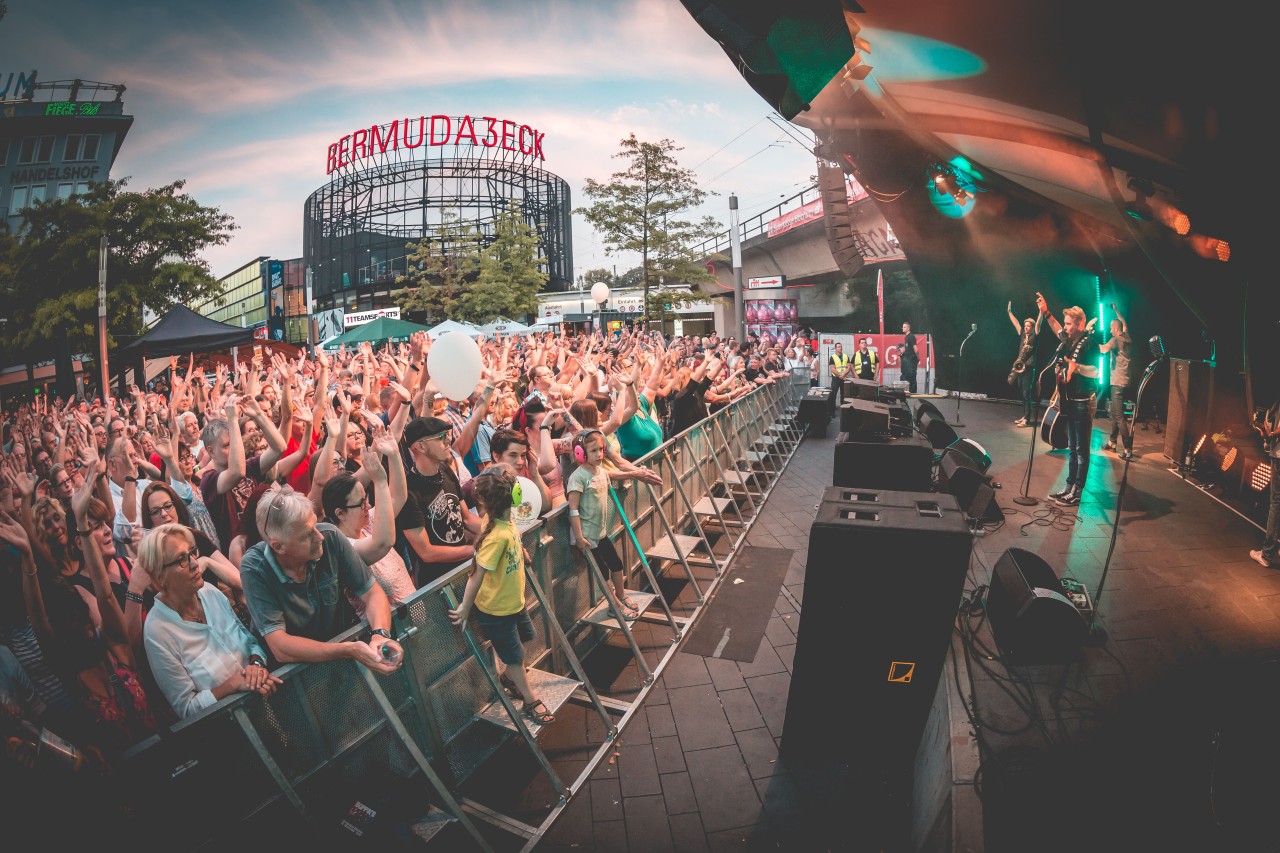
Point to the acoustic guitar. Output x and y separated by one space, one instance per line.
1053 427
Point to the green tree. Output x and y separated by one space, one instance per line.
439 267
639 210
509 272
49 274
590 277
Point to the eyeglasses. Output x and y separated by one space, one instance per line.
162 509
364 502
188 559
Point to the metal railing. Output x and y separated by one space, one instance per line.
334 733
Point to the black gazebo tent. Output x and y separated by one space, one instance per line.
179 332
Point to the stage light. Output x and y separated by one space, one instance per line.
1260 479
1139 208
944 181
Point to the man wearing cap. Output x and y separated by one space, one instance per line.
434 530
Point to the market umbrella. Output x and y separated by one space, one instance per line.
453 326
381 329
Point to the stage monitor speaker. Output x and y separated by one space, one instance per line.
815 411
1190 404
974 452
903 463
862 389
864 417
837 218
959 476
923 406
937 430
882 587
1031 620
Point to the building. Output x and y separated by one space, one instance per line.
55 139
622 309
266 295
397 183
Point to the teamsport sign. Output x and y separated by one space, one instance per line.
435 132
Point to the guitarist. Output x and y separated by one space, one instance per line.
1076 374
1026 376
1270 429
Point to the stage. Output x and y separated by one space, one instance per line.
1159 737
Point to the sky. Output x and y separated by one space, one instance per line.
242 99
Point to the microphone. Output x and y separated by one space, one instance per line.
1156 344
973 328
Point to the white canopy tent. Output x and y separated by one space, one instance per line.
503 326
453 326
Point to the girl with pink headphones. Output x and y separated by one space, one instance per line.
588 492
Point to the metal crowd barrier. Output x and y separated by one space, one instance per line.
335 734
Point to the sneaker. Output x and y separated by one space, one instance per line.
1061 493
1020 422
1126 454
1260 559
1071 498
1110 445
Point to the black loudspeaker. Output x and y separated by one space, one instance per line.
1190 402
862 389
837 217
815 411
903 463
959 476
936 429
923 406
882 587
974 452
1031 620
864 417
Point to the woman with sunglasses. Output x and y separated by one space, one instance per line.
371 527
199 651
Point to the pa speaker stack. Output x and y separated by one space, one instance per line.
1031 620
884 579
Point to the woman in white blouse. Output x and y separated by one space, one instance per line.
199 652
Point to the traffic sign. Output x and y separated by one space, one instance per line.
766 282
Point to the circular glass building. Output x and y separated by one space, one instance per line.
396 183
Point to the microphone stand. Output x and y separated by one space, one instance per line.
1098 634
960 373
1025 499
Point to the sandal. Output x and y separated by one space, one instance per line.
509 685
630 611
545 718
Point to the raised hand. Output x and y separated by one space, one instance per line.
14 533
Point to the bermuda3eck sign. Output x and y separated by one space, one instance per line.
435 131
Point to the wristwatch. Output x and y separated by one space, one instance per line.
382 632
131 479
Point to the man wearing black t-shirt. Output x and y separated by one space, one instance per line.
1077 379
434 530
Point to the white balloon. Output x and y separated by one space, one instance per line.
600 291
525 515
455 364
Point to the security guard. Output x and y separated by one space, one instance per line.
866 364
839 370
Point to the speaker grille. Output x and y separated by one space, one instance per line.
842 238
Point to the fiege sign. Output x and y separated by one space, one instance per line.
435 132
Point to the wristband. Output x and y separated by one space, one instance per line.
256 660
413 367
130 595
131 479
573 513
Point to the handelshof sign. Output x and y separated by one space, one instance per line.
349 320
435 131
767 281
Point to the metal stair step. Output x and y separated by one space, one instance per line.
665 549
602 614
711 506
552 689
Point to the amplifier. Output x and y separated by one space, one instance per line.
862 389
862 417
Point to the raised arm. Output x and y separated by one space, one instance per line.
374 547
1017 327
235 470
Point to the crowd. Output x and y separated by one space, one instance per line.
168 548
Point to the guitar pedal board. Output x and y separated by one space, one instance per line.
1078 594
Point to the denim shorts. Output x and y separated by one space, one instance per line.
508 634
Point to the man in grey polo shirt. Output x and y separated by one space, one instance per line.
293 584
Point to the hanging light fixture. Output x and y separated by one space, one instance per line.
945 182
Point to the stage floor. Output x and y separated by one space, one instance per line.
1161 737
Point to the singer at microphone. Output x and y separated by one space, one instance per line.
1077 380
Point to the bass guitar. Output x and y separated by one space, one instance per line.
1264 423
1053 427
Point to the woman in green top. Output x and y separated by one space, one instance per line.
641 433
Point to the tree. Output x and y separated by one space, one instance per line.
638 211
49 274
439 266
509 272
590 277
